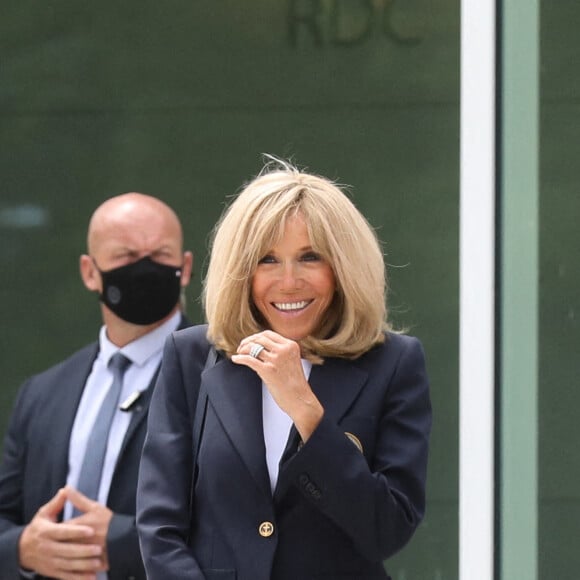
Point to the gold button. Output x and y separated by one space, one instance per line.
266 529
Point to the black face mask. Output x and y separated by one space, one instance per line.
143 292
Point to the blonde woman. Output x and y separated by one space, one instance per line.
305 455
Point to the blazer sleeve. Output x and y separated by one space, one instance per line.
377 501
123 548
11 488
163 517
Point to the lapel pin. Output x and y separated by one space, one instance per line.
355 440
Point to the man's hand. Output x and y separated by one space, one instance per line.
95 515
67 551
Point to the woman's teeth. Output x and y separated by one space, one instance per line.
289 306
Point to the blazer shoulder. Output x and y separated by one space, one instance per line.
60 380
396 350
191 340
403 341
194 334
395 344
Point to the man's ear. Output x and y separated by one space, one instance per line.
90 275
187 268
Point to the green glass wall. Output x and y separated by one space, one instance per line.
517 301
559 291
540 466
179 99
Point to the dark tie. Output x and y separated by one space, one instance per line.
91 470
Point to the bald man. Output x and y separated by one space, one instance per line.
50 525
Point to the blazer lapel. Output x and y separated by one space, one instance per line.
235 394
337 383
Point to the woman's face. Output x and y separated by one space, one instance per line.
293 286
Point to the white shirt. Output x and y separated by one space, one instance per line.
145 355
277 425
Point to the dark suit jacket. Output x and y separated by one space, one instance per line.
336 513
35 463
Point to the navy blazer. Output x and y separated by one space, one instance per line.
336 512
35 462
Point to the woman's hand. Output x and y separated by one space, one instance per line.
280 368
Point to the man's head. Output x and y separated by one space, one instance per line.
135 262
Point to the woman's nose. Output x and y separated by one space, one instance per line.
290 276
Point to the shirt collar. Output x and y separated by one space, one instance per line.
141 350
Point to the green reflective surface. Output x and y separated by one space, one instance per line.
559 312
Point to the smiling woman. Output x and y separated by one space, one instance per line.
311 438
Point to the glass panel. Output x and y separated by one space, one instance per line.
559 397
518 298
179 101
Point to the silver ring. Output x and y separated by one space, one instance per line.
256 350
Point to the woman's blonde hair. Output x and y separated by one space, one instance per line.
253 224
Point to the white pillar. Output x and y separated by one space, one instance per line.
477 289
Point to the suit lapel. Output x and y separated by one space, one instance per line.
61 428
139 411
235 394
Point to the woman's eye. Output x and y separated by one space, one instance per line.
268 259
311 257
